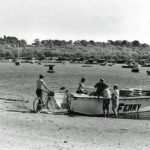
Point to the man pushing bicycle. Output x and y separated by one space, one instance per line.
39 91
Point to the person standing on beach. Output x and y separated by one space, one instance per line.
115 100
100 86
40 85
106 101
80 89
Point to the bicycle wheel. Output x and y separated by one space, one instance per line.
50 106
36 106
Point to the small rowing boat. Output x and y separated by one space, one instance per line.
86 66
148 72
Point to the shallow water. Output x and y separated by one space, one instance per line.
22 79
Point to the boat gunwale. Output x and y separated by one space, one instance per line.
87 97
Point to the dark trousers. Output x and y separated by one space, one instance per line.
39 94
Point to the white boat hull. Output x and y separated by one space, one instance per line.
90 105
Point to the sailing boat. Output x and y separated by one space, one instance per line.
17 61
32 59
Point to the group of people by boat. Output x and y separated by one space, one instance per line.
102 90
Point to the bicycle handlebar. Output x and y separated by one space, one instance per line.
49 93
45 91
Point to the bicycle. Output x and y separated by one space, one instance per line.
48 102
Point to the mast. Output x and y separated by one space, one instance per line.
17 60
18 51
4 54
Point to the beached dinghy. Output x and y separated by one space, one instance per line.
91 105
148 72
135 68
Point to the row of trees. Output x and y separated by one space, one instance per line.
82 49
54 43
126 43
15 42
107 54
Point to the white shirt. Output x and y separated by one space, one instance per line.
81 86
116 93
107 94
40 84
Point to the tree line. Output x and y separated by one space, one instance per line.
85 43
14 42
79 49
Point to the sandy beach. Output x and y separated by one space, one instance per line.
21 129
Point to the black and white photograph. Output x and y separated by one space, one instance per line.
74 75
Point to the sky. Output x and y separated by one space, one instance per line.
98 20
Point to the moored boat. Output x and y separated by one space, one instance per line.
135 70
103 64
148 72
146 65
17 62
127 66
51 69
40 62
86 66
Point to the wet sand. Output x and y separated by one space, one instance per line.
21 129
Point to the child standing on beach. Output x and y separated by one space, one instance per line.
106 100
115 100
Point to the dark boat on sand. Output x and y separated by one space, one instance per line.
148 72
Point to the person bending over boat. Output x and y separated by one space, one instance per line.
100 86
81 89
40 85
106 100
115 100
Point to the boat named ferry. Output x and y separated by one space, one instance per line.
91 105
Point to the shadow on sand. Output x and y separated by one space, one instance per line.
42 111
20 111
137 116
